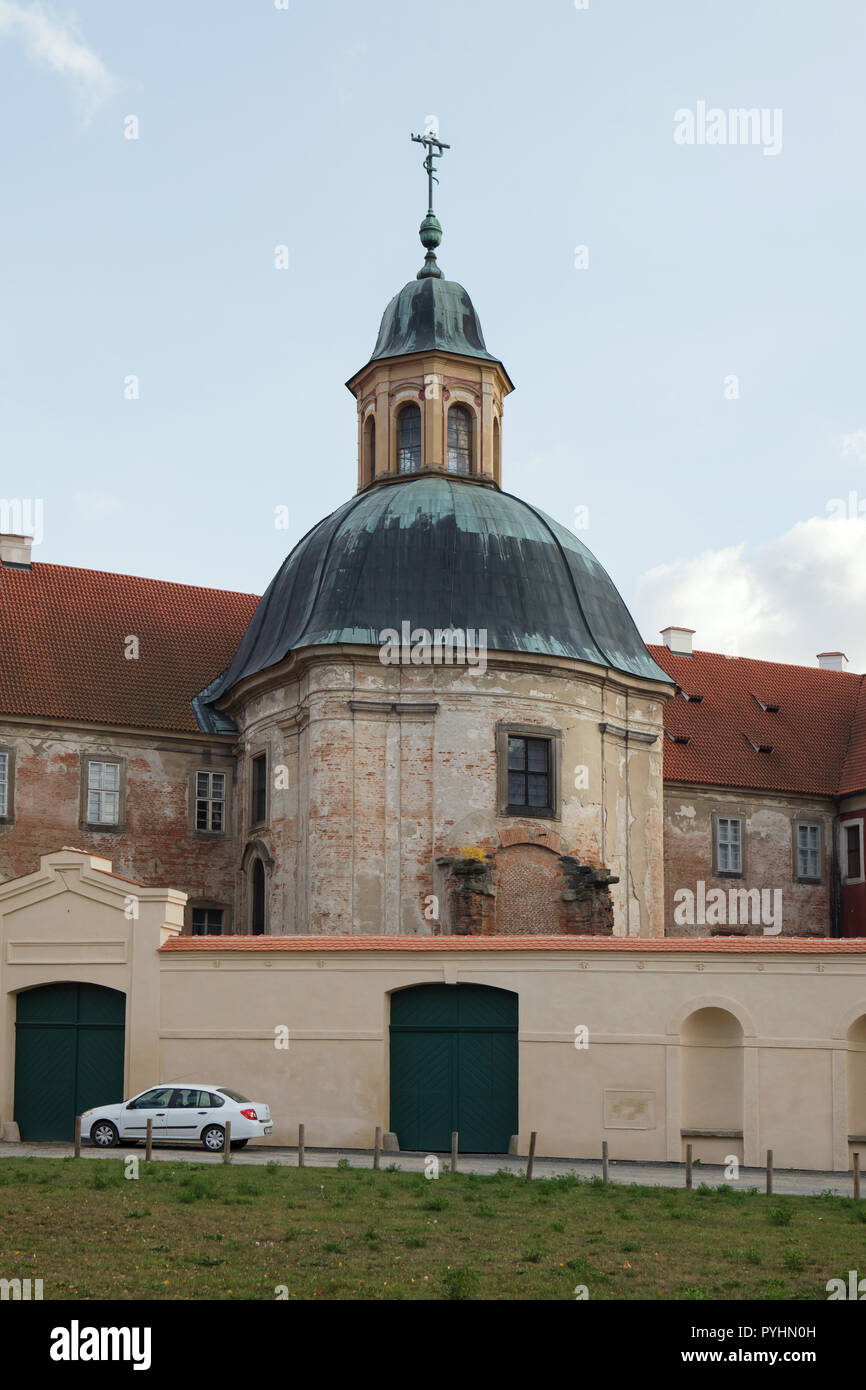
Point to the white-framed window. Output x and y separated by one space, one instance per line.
4 785
808 849
210 801
103 793
851 837
729 845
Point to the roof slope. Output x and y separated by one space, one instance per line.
63 638
817 736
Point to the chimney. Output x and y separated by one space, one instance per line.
15 552
678 640
833 661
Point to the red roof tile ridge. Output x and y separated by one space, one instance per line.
818 671
142 579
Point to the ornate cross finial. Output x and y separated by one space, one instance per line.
430 230
431 142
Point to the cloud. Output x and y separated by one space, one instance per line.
54 40
795 596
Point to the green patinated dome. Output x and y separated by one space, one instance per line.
439 553
431 313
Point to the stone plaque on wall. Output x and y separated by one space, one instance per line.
629 1109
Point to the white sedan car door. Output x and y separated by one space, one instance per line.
188 1113
150 1105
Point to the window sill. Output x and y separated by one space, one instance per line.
535 812
102 829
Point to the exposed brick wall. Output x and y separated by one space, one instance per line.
525 889
768 858
529 889
156 845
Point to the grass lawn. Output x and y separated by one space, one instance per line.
213 1232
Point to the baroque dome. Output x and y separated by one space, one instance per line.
427 315
439 553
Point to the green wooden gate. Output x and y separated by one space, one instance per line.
454 1067
69 1045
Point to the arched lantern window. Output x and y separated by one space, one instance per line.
497 447
409 439
369 448
459 439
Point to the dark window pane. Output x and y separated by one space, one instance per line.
537 754
853 856
537 790
516 789
517 754
409 439
258 914
459 439
201 815
260 775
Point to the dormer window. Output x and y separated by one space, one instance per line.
459 439
767 708
409 439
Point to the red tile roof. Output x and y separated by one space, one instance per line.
62 640
63 635
818 736
318 945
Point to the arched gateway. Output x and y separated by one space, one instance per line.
454 1067
69 1048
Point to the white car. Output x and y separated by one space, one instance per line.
179 1114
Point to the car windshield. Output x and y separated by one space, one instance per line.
232 1095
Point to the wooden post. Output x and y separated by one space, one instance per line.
378 1146
688 1166
454 1151
530 1162
605 1162
148 1142
227 1145
300 1146
856 1176
77 1136
769 1172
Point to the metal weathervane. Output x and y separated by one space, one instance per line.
431 144
430 230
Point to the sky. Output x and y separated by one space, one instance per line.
683 318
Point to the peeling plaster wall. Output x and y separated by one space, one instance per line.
768 854
372 795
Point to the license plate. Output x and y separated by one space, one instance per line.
269 1129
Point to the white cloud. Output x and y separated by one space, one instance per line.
54 40
800 594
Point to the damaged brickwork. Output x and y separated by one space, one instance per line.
527 888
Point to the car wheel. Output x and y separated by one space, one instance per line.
239 1143
213 1139
103 1134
